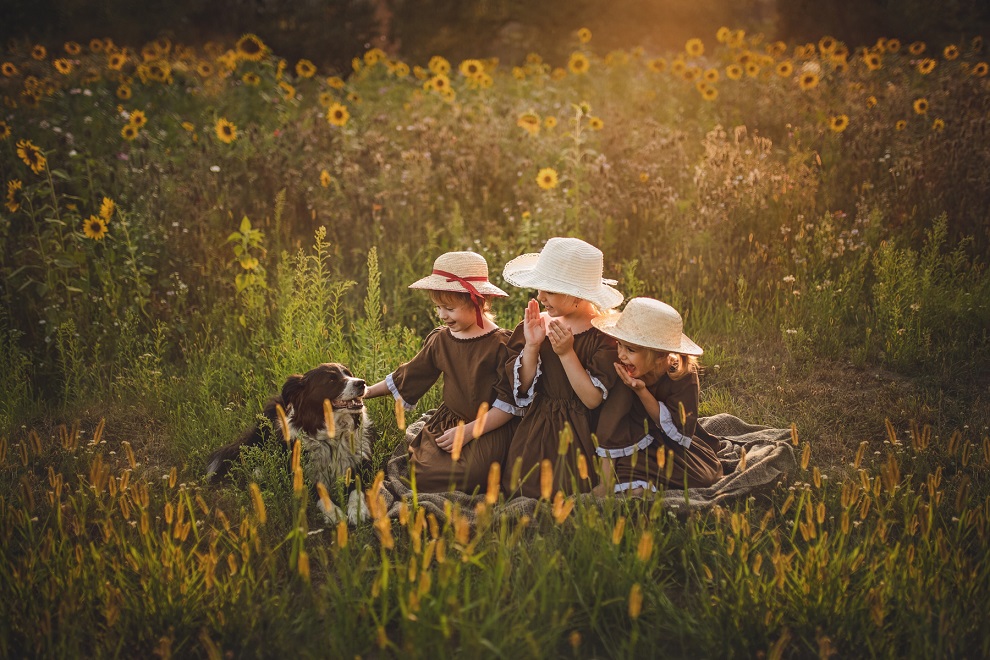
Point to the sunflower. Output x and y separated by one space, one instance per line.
204 69
917 48
401 70
374 56
694 47
39 52
709 94
578 63
752 69
711 75
123 92
12 187
439 83
63 66
980 69
838 123
733 72
808 80
529 122
336 82
893 45
4 130
325 99
94 228
951 52
8 69
826 45
547 178
31 155
116 61
288 91
250 47
920 106
873 61
785 69
188 126
471 68
96 45
584 35
926 66
550 123
325 178
677 67
226 131
305 69
900 125
871 101
723 34
657 65
138 118
338 115
107 207
129 132
439 65
596 123
938 125
251 78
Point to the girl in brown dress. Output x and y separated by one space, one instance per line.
469 350
648 432
563 370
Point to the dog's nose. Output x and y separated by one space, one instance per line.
360 383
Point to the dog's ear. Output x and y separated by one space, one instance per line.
292 389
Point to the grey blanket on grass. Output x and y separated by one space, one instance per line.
769 457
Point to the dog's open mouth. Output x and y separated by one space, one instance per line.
350 404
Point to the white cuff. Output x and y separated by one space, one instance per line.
525 400
395 393
635 484
508 407
625 451
670 429
597 383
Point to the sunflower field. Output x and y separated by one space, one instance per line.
184 226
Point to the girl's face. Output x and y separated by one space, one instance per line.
557 304
641 363
459 318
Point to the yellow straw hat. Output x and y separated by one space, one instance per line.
565 265
649 323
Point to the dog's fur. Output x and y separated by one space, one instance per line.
324 458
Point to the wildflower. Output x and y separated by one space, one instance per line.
251 78
338 115
8 69
926 66
871 101
530 122
439 83
635 601
188 126
107 208
63 66
980 69
578 63
584 35
547 178
116 61
785 69
900 125
938 125
709 94
138 118
250 47
917 48
39 52
873 61
711 75
951 52
129 132
288 91
733 72
305 69
226 131
325 178
920 106
72 47
123 92
401 70
471 68
752 69
439 65
596 123
204 69
657 65
4 130
95 228
694 47
96 45
12 187
808 80
336 82
893 45
838 123
826 45
31 155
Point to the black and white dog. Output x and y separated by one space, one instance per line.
326 457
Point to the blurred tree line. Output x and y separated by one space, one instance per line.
330 32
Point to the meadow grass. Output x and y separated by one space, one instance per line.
183 227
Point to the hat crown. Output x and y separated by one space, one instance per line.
656 322
572 260
462 264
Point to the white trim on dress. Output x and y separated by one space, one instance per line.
645 442
525 400
508 407
635 484
670 429
395 393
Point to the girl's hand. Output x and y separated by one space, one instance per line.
446 441
634 384
561 337
534 329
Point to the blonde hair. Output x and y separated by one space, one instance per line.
459 299
677 366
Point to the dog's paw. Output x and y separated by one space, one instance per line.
332 514
357 508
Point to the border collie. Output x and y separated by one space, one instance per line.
325 458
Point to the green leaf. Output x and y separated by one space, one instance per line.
245 225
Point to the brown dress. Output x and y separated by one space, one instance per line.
551 406
472 374
632 440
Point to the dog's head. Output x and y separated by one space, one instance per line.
307 392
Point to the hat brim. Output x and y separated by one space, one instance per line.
607 324
521 272
440 283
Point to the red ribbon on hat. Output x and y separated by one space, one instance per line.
476 298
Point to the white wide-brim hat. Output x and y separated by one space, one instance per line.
650 323
565 265
455 271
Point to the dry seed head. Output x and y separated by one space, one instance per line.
582 466
258 503
328 418
321 490
859 454
635 601
494 480
546 479
403 513
794 434
455 452
98 433
400 414
645 548
283 422
742 460
480 420
342 534
302 565
805 456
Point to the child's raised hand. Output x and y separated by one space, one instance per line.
635 384
534 329
561 337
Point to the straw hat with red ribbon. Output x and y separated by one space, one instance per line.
462 272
